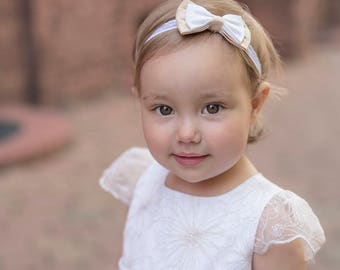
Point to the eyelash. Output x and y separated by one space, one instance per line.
219 106
158 109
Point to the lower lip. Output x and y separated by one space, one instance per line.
189 161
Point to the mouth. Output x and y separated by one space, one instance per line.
189 160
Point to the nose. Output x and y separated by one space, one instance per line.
188 132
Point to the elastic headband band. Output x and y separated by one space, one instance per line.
170 25
192 18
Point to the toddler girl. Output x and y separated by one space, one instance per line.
196 202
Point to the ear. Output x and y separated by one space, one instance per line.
259 99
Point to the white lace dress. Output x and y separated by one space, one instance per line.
167 229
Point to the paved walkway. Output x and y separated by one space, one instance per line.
53 214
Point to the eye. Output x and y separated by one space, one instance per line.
164 110
212 108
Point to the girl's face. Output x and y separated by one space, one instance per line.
196 109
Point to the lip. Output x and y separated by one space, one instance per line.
189 160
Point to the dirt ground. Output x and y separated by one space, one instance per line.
54 215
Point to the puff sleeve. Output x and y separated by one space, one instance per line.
121 176
285 218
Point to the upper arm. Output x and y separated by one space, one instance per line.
288 256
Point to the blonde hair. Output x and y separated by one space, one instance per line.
260 41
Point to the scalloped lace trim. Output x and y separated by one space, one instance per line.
286 218
121 176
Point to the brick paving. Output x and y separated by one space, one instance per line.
53 214
54 132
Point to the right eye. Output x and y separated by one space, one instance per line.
164 110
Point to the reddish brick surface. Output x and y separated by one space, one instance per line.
12 63
41 131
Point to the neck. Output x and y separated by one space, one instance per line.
217 185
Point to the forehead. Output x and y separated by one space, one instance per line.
210 63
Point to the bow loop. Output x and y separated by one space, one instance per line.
197 16
235 27
192 18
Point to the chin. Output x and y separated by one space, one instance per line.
192 177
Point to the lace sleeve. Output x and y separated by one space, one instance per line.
285 218
121 176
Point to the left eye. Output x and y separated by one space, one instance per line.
164 110
212 108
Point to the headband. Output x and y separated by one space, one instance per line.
192 18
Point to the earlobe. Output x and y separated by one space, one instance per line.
260 98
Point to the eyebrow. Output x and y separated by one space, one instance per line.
220 94
154 97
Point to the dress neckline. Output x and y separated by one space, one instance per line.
228 193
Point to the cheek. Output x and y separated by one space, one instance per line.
155 135
148 130
232 134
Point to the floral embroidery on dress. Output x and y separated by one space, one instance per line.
193 236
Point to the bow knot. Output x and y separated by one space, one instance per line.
216 23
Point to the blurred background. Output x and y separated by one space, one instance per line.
66 112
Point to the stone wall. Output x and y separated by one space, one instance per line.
83 48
